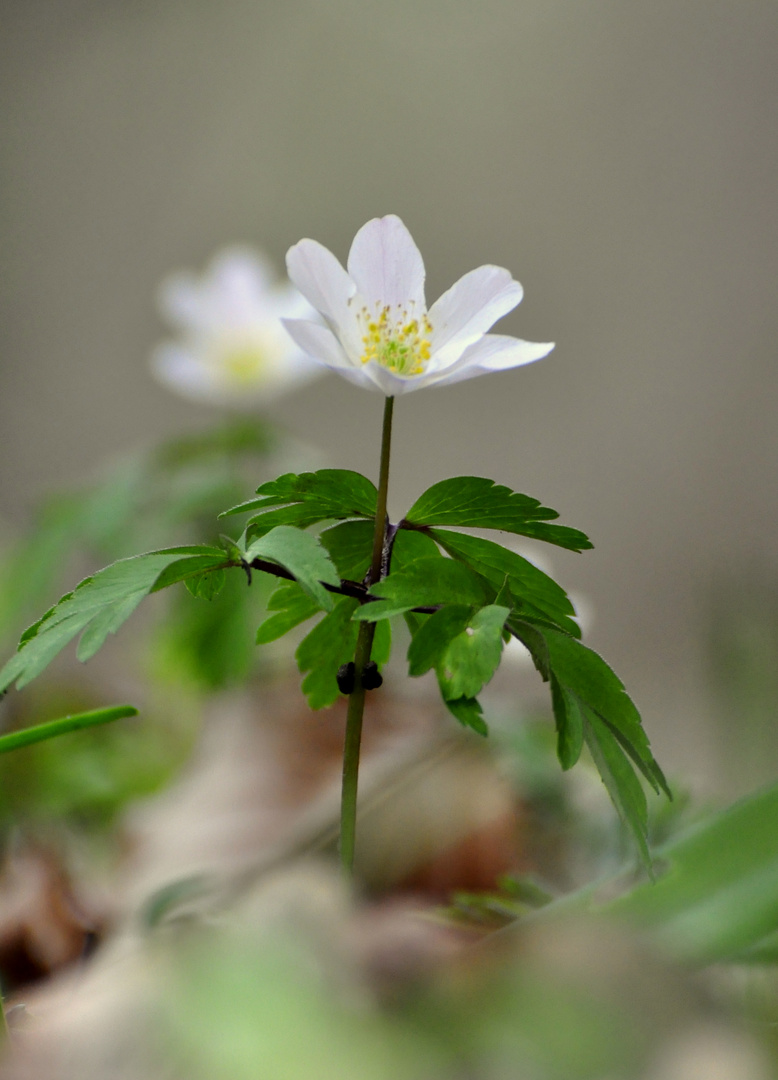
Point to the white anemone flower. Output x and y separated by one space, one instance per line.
377 330
231 348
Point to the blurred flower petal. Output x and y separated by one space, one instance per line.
231 349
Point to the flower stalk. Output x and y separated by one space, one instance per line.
356 702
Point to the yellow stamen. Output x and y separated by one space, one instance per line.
397 340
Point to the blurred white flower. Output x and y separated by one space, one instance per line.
377 330
231 348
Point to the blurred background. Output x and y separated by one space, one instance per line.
619 158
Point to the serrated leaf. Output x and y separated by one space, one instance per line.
539 593
469 713
426 582
106 622
195 561
530 635
434 635
410 545
231 549
559 535
298 516
291 606
350 546
32 630
585 673
414 621
330 644
99 605
341 492
589 698
617 775
569 724
302 555
446 502
476 502
473 656
206 586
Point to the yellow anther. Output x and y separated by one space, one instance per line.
395 341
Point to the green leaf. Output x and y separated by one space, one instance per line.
432 638
535 592
473 656
560 535
469 713
449 501
590 702
414 621
569 724
338 493
231 549
105 622
198 560
531 636
291 607
298 515
302 555
475 502
410 546
206 586
619 778
382 643
15 740
582 671
426 582
330 644
350 546
100 604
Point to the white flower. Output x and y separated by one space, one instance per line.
232 348
377 330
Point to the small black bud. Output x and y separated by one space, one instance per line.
345 678
371 676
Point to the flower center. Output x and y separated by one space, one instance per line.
397 340
244 365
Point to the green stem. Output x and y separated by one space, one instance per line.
17 739
356 701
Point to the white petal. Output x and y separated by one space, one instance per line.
386 264
494 352
242 269
180 301
388 382
317 341
322 280
179 369
289 303
470 307
320 343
